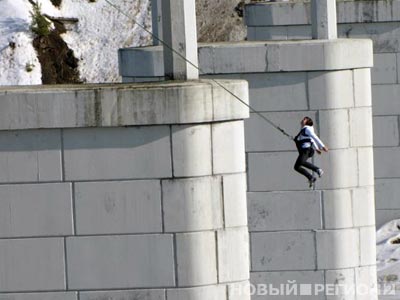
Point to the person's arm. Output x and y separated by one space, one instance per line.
316 141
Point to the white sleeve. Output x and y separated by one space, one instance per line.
317 143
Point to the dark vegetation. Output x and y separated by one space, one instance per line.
58 62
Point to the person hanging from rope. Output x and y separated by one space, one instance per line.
306 141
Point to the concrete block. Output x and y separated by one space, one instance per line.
362 87
112 262
338 249
323 19
39 269
191 150
35 210
341 170
268 94
228 147
273 171
301 279
284 211
384 70
40 296
159 105
278 251
300 32
386 193
260 14
239 291
366 279
212 292
118 207
196 259
235 200
366 11
398 67
238 59
387 162
233 254
334 128
30 156
383 35
340 284
310 57
365 166
361 127
384 216
385 99
367 246
117 153
124 295
386 131
331 90
226 105
363 206
267 33
261 136
337 209
192 204
140 57
180 34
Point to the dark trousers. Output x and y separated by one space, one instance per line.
302 163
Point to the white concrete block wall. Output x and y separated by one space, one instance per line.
139 212
292 228
376 20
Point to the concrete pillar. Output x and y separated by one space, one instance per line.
179 31
323 16
156 17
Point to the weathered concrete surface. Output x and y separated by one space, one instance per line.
120 105
266 14
259 57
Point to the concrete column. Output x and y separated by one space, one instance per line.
156 17
179 31
323 16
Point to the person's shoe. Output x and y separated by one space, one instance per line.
311 182
320 172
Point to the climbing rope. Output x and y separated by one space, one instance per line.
200 71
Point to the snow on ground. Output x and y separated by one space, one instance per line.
14 28
388 254
95 39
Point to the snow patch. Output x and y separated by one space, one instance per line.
95 39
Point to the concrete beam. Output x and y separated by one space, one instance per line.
156 16
323 19
121 105
179 32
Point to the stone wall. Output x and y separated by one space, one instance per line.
123 192
379 21
321 236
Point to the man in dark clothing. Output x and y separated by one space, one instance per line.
306 141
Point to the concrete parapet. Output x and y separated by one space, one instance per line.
267 56
267 14
120 105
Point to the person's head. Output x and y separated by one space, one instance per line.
307 121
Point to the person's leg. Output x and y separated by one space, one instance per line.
311 166
298 166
